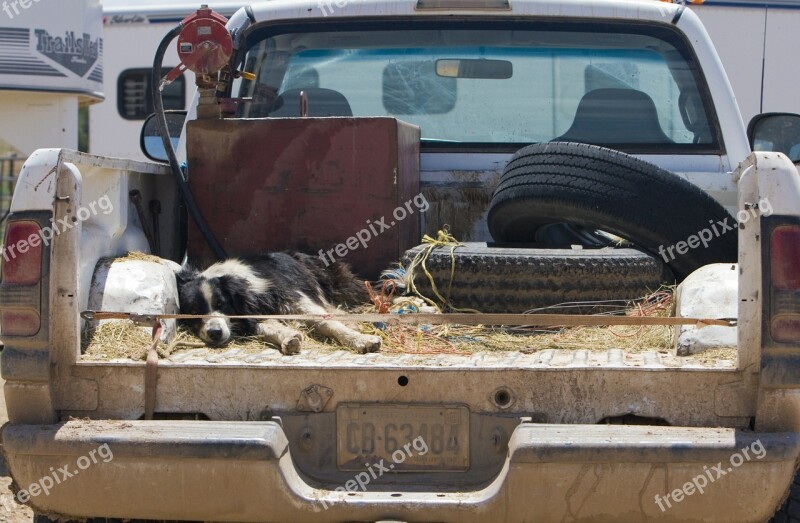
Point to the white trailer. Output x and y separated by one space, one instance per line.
132 31
757 43
51 62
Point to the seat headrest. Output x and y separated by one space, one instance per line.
321 102
615 116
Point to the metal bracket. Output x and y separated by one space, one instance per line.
144 319
314 398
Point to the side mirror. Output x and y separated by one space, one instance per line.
150 140
778 132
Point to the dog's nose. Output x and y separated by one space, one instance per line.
215 335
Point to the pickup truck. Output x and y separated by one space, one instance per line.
507 435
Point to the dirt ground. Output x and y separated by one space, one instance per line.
10 511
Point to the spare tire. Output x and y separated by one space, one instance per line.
609 190
515 280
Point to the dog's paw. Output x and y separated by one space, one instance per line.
291 345
366 343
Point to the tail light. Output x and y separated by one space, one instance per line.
22 254
22 267
784 263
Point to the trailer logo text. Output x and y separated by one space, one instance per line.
125 19
76 54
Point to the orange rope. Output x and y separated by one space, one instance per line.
382 302
658 301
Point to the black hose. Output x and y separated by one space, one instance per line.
177 172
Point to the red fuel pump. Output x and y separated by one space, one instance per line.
204 45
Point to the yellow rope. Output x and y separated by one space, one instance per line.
443 239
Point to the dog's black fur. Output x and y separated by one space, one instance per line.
273 283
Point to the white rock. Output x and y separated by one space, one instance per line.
709 292
138 286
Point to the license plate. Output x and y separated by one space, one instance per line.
406 437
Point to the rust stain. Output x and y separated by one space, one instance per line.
462 205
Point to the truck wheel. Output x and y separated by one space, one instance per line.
790 510
608 190
515 280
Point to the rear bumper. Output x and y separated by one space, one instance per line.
243 471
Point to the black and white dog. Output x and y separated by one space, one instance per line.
274 283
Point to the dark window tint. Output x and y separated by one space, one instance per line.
133 94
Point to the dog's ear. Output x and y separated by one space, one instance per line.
185 275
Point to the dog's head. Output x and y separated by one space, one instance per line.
218 297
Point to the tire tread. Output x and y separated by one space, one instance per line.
592 186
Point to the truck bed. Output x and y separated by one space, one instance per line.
318 354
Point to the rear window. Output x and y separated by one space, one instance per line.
628 86
134 101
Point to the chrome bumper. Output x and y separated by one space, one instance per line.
243 471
